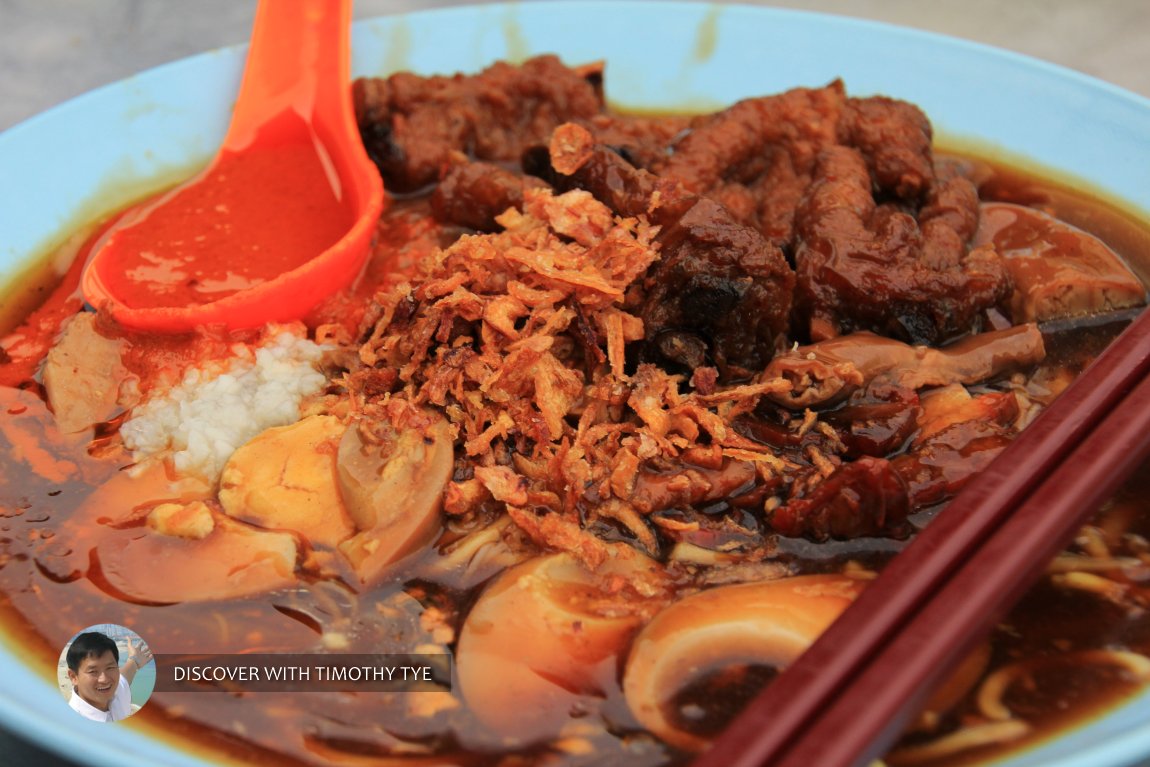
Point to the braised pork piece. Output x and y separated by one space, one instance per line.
624 412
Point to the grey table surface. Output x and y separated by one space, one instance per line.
52 50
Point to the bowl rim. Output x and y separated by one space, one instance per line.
1114 738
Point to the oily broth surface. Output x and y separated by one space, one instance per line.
44 599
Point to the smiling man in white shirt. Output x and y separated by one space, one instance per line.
101 687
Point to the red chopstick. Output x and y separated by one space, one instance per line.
851 694
883 697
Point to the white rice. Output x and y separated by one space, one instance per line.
213 411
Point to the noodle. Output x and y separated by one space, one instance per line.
970 737
1090 582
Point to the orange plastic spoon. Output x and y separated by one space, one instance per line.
281 218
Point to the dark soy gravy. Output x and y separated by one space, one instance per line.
45 596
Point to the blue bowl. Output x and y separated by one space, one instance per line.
97 152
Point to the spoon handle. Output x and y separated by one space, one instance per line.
297 65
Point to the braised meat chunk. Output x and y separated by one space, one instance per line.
642 140
1058 270
894 137
720 294
757 156
863 265
472 194
412 125
826 372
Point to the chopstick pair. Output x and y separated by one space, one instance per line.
847 699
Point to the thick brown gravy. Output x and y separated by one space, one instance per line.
44 599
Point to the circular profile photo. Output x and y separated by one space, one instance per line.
106 672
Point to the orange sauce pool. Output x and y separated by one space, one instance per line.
251 217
